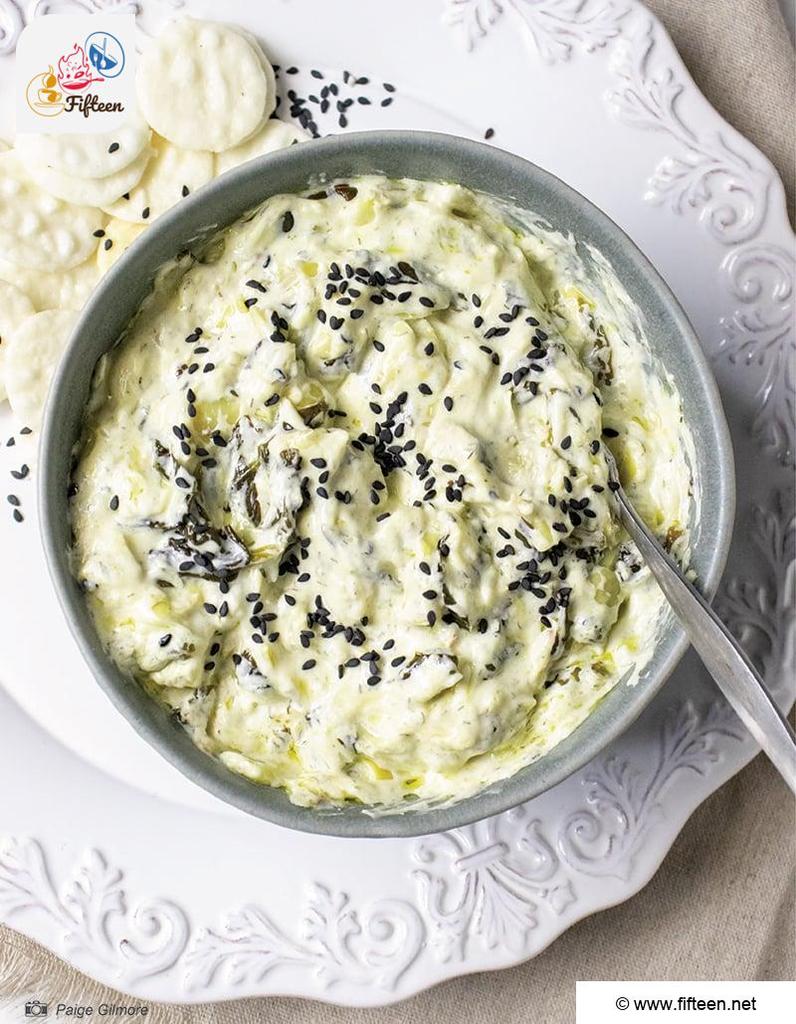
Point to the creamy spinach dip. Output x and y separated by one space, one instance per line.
341 500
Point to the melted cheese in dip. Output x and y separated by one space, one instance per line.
341 500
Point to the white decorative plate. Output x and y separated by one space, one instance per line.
113 860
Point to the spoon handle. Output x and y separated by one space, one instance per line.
735 675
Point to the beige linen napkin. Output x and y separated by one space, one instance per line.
721 906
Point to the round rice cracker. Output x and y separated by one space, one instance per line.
172 174
39 230
121 234
272 136
86 156
15 306
34 351
90 191
201 85
265 64
61 289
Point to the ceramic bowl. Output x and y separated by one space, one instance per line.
396 154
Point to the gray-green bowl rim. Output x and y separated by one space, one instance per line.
151 721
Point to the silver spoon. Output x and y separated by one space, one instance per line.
735 675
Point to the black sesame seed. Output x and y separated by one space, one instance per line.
566 443
114 503
288 221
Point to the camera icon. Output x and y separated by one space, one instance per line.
35 1008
